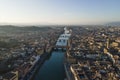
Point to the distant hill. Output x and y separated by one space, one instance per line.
26 28
14 29
114 23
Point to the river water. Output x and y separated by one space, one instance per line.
52 68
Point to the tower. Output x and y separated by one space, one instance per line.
107 43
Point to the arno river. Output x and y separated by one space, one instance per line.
52 68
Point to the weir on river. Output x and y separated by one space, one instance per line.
62 42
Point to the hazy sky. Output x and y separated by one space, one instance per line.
59 11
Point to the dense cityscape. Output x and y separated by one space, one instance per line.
94 53
59 39
91 52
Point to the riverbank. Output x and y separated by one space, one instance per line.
52 68
39 64
43 55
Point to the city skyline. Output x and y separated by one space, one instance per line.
63 12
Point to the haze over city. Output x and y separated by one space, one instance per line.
60 12
59 39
